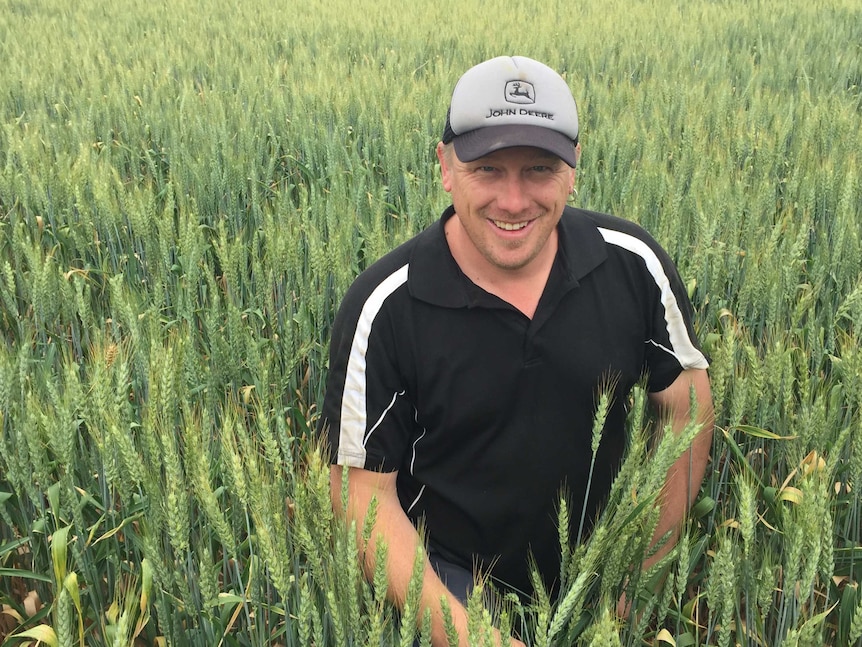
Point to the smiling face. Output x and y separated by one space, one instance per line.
507 206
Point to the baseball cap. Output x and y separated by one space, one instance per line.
512 101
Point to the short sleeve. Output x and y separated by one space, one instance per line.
367 418
672 346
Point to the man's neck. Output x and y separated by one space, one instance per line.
520 287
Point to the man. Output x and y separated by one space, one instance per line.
466 365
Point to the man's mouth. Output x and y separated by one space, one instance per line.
511 226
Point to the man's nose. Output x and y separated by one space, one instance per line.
512 196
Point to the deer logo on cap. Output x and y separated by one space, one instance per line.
520 92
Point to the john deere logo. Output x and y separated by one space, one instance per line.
520 92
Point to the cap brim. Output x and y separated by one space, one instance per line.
480 142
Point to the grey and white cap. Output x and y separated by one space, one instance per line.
512 101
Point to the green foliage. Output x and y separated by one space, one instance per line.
186 191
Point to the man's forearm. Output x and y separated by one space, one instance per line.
402 540
680 489
686 474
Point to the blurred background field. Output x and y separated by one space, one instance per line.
187 189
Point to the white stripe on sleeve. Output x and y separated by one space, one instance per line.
683 348
354 417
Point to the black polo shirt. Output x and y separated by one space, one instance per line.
487 414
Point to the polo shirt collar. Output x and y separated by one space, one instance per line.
435 277
582 246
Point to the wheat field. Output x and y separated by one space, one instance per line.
188 188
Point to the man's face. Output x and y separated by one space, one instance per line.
508 203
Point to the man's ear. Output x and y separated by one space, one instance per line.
575 170
445 169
